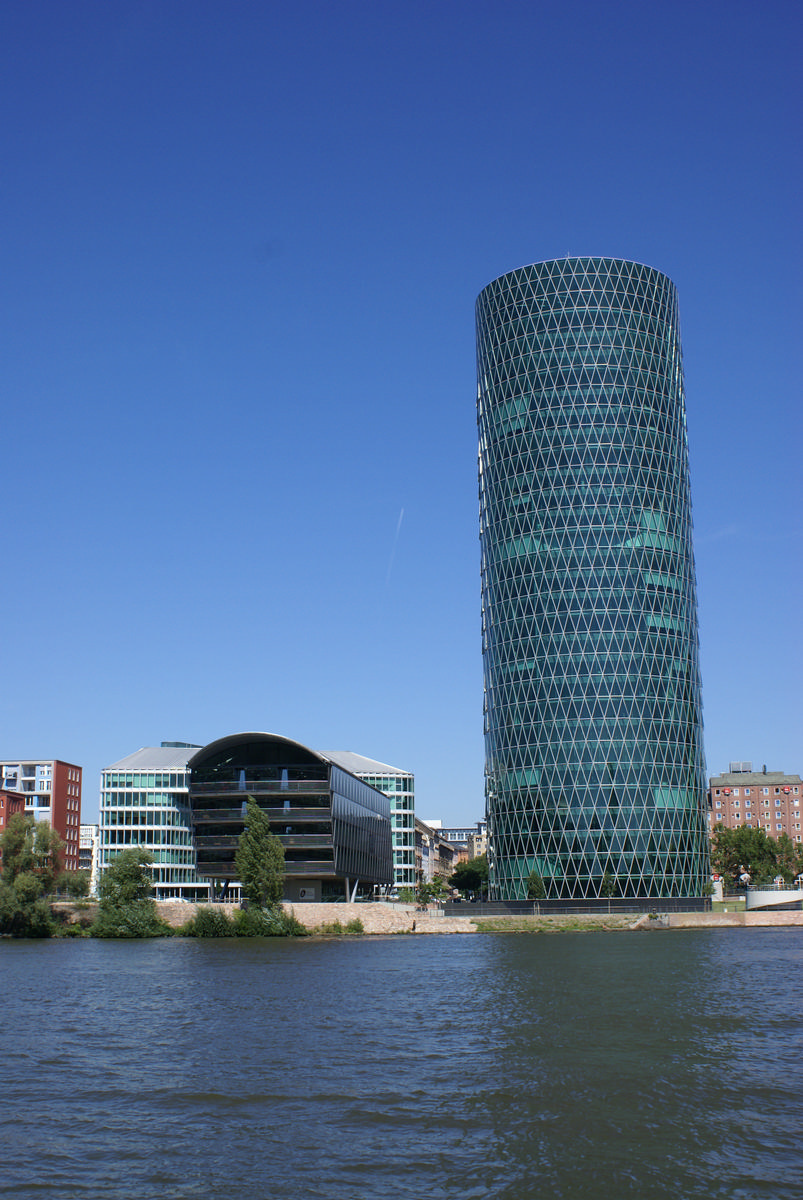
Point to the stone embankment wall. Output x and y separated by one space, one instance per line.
375 918
404 918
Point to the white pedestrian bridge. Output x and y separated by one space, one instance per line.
774 896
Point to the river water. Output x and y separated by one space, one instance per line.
605 1065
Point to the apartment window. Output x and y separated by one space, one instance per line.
718 804
766 791
736 791
779 826
747 791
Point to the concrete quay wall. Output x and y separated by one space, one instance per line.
375 918
742 920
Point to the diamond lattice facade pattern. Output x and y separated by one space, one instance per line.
595 772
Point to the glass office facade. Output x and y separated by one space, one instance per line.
399 787
595 773
144 801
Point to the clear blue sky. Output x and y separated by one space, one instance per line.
241 248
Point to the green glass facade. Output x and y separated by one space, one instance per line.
595 772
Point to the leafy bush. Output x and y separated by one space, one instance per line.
267 922
209 922
73 883
336 929
21 917
136 919
126 909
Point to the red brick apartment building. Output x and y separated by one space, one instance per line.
52 792
768 800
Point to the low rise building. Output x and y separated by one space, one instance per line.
52 791
768 800
434 854
470 840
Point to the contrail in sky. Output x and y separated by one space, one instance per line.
393 551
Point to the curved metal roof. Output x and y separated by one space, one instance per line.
242 739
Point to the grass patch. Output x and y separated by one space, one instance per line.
569 924
335 929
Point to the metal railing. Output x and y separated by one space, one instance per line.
554 908
259 786
279 816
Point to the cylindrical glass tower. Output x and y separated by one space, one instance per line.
595 772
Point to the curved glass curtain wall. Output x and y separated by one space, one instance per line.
595 773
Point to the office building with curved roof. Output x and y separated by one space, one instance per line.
334 827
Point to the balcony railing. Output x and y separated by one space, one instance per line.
259 787
225 870
312 841
277 816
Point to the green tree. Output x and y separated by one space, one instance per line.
438 887
31 859
785 858
31 846
126 908
536 889
607 886
471 876
734 851
259 860
73 883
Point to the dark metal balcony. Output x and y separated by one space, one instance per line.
259 787
276 816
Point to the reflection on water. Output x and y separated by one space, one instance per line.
513 1066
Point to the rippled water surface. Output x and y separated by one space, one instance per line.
514 1066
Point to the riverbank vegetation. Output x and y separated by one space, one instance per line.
336 929
590 923
31 880
127 908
